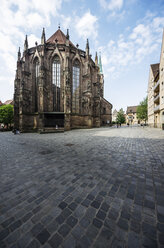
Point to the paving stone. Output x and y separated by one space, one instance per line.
27 217
13 237
78 199
160 227
149 230
34 244
86 203
105 207
69 242
106 233
95 204
84 242
15 225
150 243
63 205
117 244
79 211
125 214
8 222
161 238
52 226
46 219
149 204
110 224
25 240
66 212
97 223
37 229
101 215
4 233
72 206
133 240
43 236
84 222
123 224
90 197
55 241
78 232
60 219
113 214
64 230
135 226
71 221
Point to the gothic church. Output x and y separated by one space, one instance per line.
59 86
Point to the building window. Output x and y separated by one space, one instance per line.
37 70
75 87
36 83
56 83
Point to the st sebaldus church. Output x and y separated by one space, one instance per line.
59 86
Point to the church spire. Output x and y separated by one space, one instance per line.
96 59
26 44
100 64
67 35
87 48
19 54
43 38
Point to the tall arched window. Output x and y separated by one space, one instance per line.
75 87
36 83
56 83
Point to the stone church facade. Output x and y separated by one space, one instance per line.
59 86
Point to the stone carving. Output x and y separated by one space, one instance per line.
89 85
67 101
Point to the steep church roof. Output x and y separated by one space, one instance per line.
155 69
58 37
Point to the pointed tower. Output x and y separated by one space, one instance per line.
43 38
67 35
96 59
100 64
26 44
19 54
87 48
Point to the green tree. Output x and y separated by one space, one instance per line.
120 116
6 114
142 110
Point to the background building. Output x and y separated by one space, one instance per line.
114 115
156 92
58 85
131 115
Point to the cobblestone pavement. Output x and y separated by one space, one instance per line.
94 188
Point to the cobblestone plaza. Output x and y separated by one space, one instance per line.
94 188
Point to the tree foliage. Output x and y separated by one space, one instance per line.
6 114
142 110
120 116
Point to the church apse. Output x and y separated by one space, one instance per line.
58 86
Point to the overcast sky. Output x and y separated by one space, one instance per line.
127 32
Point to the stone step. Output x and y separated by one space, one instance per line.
51 130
